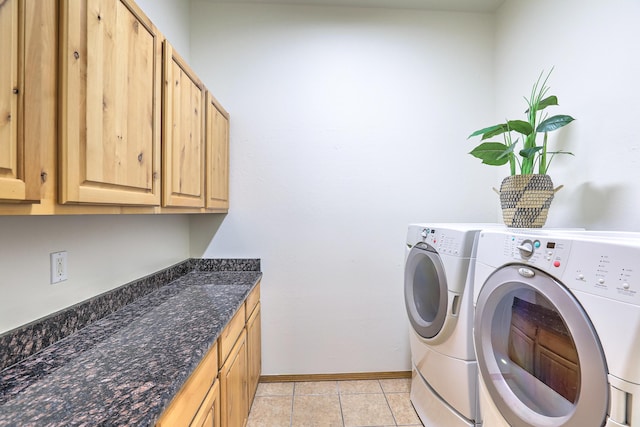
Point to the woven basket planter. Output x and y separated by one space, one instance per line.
525 200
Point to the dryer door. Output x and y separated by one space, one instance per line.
425 290
538 354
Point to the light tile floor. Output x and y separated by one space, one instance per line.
379 403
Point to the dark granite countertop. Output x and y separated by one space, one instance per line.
125 368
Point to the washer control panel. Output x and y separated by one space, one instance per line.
445 241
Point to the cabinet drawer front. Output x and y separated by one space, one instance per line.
252 300
231 333
186 403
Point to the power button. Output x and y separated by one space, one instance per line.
556 263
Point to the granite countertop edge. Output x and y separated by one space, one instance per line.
125 368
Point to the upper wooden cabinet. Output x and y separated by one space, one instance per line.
19 155
183 161
110 93
81 115
217 136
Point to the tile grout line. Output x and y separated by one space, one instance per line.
296 388
340 403
384 393
293 399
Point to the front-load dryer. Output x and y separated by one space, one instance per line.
557 328
439 301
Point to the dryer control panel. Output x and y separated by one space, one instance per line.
546 253
596 265
607 269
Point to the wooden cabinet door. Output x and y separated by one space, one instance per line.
19 161
254 352
209 413
217 135
183 134
188 403
233 386
110 92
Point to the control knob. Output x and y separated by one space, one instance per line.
526 249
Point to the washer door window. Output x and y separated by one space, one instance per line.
538 354
425 290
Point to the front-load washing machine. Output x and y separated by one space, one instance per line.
557 328
439 301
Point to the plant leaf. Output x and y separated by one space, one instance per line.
550 100
520 126
553 123
560 152
492 153
530 152
490 131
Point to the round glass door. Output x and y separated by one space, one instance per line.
538 354
425 290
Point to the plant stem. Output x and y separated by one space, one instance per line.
543 156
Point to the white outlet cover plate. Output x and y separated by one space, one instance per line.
58 267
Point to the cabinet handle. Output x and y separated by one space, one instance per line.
16 91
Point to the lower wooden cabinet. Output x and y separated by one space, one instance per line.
241 366
254 353
197 397
209 413
223 397
233 385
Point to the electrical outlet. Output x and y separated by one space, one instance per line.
58 267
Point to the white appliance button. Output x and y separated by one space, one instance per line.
601 280
581 276
626 285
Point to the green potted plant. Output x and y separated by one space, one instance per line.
526 194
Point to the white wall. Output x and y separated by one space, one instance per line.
104 251
593 47
172 19
346 125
